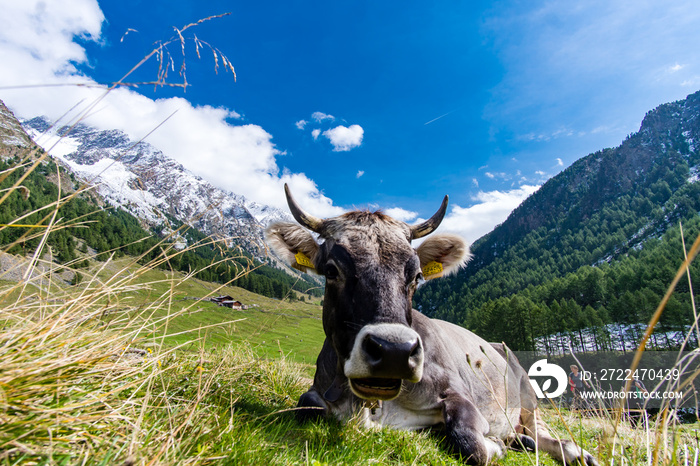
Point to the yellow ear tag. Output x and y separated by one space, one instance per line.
303 260
432 270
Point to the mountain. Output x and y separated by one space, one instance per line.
12 137
142 180
603 231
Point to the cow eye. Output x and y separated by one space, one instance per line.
331 272
417 280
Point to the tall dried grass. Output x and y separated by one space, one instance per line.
650 440
87 379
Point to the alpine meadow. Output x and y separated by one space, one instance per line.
147 319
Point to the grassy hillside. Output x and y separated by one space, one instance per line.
270 326
173 309
90 376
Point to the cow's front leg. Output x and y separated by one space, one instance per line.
466 429
311 406
314 403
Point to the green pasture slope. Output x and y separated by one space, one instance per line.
271 327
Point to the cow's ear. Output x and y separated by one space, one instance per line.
293 244
442 255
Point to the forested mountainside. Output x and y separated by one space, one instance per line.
92 229
597 244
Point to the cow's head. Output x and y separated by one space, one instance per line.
371 274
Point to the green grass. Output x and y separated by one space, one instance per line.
179 304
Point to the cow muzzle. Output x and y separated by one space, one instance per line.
382 357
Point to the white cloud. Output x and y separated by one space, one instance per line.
491 209
308 195
675 68
360 173
500 175
39 34
37 47
301 124
400 214
320 117
341 137
560 162
345 138
546 137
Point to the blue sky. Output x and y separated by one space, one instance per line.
368 104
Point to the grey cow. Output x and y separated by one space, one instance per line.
391 365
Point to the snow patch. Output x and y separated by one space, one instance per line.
694 175
57 146
13 141
689 140
113 180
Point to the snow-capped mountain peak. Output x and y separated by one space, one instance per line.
155 188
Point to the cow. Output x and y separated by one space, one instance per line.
386 364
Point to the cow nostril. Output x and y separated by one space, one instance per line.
373 348
415 350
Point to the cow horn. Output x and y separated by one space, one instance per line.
309 221
430 225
